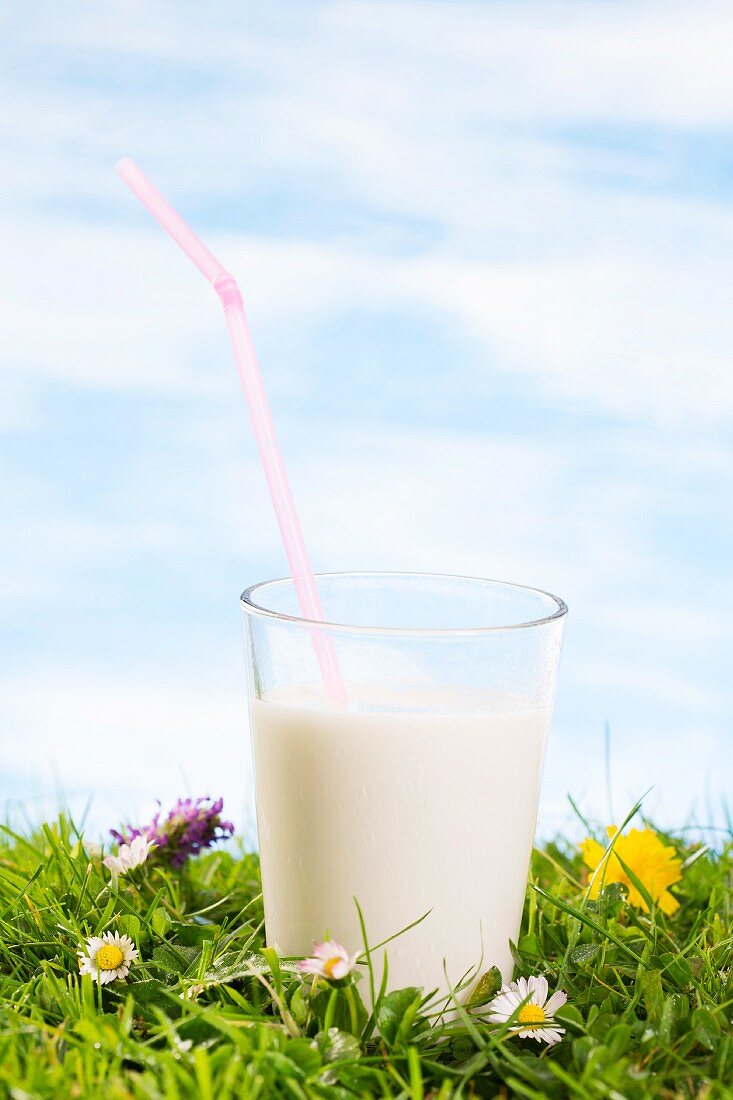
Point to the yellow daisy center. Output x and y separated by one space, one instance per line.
531 1015
329 965
109 957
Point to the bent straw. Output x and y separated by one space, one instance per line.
259 410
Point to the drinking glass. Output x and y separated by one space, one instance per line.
419 794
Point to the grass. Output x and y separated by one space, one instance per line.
209 1013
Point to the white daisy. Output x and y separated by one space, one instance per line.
108 957
329 960
129 855
525 1003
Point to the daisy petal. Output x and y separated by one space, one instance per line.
311 966
551 1035
557 1000
531 1033
539 988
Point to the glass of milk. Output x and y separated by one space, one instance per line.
420 792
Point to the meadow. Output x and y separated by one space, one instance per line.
205 1010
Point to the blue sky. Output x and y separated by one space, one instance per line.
486 254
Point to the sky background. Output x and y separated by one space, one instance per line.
486 252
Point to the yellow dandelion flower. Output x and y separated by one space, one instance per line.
654 863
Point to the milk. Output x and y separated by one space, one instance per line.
418 801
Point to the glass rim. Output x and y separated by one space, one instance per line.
249 604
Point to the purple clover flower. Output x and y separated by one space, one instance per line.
191 826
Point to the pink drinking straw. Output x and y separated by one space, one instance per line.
259 411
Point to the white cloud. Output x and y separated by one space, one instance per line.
655 61
650 681
638 335
440 150
643 761
127 738
660 61
452 121
701 627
